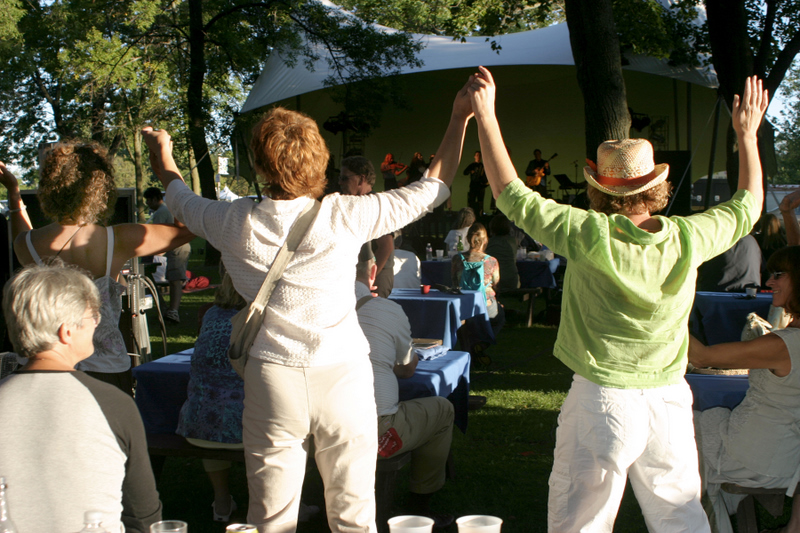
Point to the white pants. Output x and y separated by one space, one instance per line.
605 435
285 406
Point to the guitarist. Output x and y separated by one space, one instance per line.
537 172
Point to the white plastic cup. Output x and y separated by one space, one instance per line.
477 523
751 291
410 523
439 255
169 526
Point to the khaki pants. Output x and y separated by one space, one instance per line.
285 406
425 427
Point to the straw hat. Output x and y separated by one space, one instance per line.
625 167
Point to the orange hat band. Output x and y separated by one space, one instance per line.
622 182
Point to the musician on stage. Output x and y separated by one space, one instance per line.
537 172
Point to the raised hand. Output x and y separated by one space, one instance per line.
790 202
749 109
159 143
7 178
156 140
482 92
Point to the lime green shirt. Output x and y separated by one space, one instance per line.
627 292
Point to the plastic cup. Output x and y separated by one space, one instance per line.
751 291
410 524
479 524
425 289
439 255
169 526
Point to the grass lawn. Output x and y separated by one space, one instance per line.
502 464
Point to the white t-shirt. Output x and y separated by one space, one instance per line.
388 332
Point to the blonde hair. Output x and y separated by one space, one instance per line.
39 299
291 154
226 296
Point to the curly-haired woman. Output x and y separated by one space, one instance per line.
77 192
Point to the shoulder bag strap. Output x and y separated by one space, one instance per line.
364 300
284 255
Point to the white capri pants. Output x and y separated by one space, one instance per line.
283 407
605 435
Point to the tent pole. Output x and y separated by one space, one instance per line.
688 116
710 177
675 112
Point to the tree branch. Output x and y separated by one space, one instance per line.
234 9
762 55
782 64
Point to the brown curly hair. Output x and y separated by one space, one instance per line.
650 201
77 183
290 154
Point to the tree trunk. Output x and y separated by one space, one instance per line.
195 107
194 175
595 48
195 110
733 62
141 212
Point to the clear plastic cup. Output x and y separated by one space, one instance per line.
479 524
169 526
439 255
410 524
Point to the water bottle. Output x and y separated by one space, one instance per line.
92 521
6 525
429 253
459 245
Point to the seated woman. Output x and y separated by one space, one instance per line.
77 192
477 239
70 442
466 218
756 444
503 247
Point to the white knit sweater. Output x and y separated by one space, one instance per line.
311 318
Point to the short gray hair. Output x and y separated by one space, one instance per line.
360 166
40 298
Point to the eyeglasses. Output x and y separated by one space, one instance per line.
95 316
776 275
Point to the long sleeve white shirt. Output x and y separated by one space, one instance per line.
311 318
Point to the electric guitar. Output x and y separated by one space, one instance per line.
538 174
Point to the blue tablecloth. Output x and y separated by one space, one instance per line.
161 387
438 315
531 273
719 317
717 391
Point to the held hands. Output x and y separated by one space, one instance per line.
7 178
482 90
156 140
159 144
748 110
462 106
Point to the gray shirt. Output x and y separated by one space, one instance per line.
71 444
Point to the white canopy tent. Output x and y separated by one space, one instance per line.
539 101
545 46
